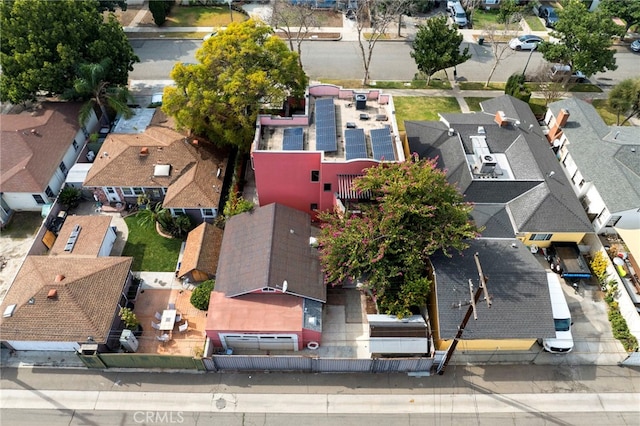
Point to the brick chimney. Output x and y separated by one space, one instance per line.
144 151
501 119
563 117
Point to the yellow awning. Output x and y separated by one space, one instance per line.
631 238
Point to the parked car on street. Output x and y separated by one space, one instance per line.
458 15
563 73
549 15
635 46
525 42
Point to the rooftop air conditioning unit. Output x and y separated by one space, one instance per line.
486 164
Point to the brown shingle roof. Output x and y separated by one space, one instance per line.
193 170
90 238
29 159
265 247
202 249
85 305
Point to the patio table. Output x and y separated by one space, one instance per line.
168 320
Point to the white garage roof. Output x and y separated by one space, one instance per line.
78 173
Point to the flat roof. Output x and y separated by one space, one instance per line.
370 115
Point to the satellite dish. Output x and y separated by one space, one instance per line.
285 285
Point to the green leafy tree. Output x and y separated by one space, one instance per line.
112 5
437 47
627 10
42 42
91 85
509 11
624 99
416 213
159 10
236 204
241 69
585 39
202 294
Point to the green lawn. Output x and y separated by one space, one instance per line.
151 252
534 23
479 85
474 103
608 115
482 19
422 108
538 106
202 16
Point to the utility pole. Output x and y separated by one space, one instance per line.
535 46
474 298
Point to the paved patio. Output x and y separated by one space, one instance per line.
157 291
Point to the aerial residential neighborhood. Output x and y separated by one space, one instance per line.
319 187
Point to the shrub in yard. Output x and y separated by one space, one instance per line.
201 295
621 330
515 87
70 197
599 266
159 10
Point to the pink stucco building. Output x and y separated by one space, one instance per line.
308 160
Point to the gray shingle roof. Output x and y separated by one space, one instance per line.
606 161
535 202
495 219
265 247
517 283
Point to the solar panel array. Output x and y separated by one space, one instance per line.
293 139
382 145
355 144
326 125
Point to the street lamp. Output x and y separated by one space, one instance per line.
230 10
535 46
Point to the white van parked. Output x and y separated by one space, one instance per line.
563 342
458 15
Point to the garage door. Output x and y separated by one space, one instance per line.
261 341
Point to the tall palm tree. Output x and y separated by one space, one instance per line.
91 85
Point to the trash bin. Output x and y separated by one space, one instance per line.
480 41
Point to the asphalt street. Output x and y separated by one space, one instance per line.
342 60
495 394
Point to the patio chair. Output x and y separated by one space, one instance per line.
164 338
184 327
155 325
171 306
178 317
158 316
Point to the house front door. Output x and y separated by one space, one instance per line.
112 194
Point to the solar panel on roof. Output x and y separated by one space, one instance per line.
382 145
355 144
326 125
293 139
